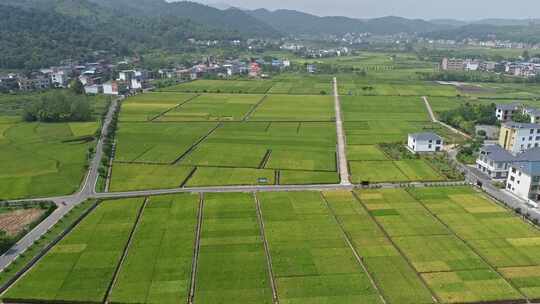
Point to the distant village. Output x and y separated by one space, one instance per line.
525 68
105 78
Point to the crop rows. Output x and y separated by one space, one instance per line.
414 246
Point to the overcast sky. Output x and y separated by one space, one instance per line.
426 9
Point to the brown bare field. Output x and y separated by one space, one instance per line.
13 222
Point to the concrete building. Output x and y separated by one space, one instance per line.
93 89
524 176
452 64
518 137
494 161
504 112
114 88
425 142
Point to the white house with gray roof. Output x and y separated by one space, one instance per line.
524 175
494 161
424 142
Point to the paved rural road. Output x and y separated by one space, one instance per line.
342 154
65 203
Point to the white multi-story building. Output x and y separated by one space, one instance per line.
494 161
524 175
425 142
518 137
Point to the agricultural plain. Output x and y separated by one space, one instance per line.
400 246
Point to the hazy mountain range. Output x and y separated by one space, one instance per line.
40 32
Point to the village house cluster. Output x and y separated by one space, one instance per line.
515 158
526 68
111 79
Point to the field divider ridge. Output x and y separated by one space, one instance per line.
45 250
491 267
357 256
265 159
175 107
190 175
125 252
197 143
254 108
196 248
433 295
275 298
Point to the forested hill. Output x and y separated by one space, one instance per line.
295 22
231 19
38 33
515 33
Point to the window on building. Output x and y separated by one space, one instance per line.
438 142
512 178
536 179
429 147
532 131
530 137
513 170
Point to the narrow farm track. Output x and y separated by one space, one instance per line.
174 108
125 252
389 238
341 149
266 250
354 251
196 248
435 120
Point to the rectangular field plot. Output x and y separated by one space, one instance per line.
368 108
161 143
232 263
396 89
396 279
471 286
302 86
214 107
311 261
507 243
418 170
81 267
376 172
213 176
294 177
223 86
295 108
148 106
131 177
385 131
365 152
393 171
279 146
158 265
43 159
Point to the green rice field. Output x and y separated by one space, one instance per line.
399 246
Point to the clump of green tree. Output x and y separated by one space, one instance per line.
520 117
466 116
58 106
